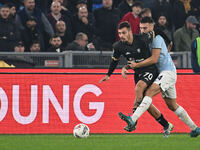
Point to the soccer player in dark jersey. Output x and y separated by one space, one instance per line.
136 48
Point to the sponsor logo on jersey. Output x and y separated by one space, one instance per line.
138 50
127 53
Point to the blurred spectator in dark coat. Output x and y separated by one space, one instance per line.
42 22
62 31
19 47
80 43
84 22
55 14
179 14
9 33
106 19
56 44
13 10
67 16
163 6
30 10
35 46
31 33
162 28
20 61
65 11
125 6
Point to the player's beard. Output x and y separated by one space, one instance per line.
127 39
123 40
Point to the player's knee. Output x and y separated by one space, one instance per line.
138 91
152 90
139 88
172 105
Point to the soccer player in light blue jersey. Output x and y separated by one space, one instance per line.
165 82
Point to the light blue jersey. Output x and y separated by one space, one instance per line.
165 62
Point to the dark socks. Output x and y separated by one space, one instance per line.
163 121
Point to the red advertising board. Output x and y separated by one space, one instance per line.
55 102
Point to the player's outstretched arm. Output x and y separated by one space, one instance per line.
112 67
106 78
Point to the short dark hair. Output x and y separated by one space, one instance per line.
10 5
5 6
54 36
19 43
79 36
124 24
137 4
35 42
146 20
81 2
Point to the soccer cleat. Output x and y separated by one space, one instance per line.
168 130
129 121
127 129
195 132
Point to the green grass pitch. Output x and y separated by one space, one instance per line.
100 142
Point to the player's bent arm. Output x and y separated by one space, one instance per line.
151 60
112 67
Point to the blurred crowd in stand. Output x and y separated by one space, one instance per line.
85 25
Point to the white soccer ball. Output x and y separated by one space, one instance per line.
81 131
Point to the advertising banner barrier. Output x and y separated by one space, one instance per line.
32 102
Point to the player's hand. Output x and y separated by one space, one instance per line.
124 72
106 78
132 64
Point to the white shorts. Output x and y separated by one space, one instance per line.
167 80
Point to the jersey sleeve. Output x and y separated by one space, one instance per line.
115 58
112 67
116 51
157 42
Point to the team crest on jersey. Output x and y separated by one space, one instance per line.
138 50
